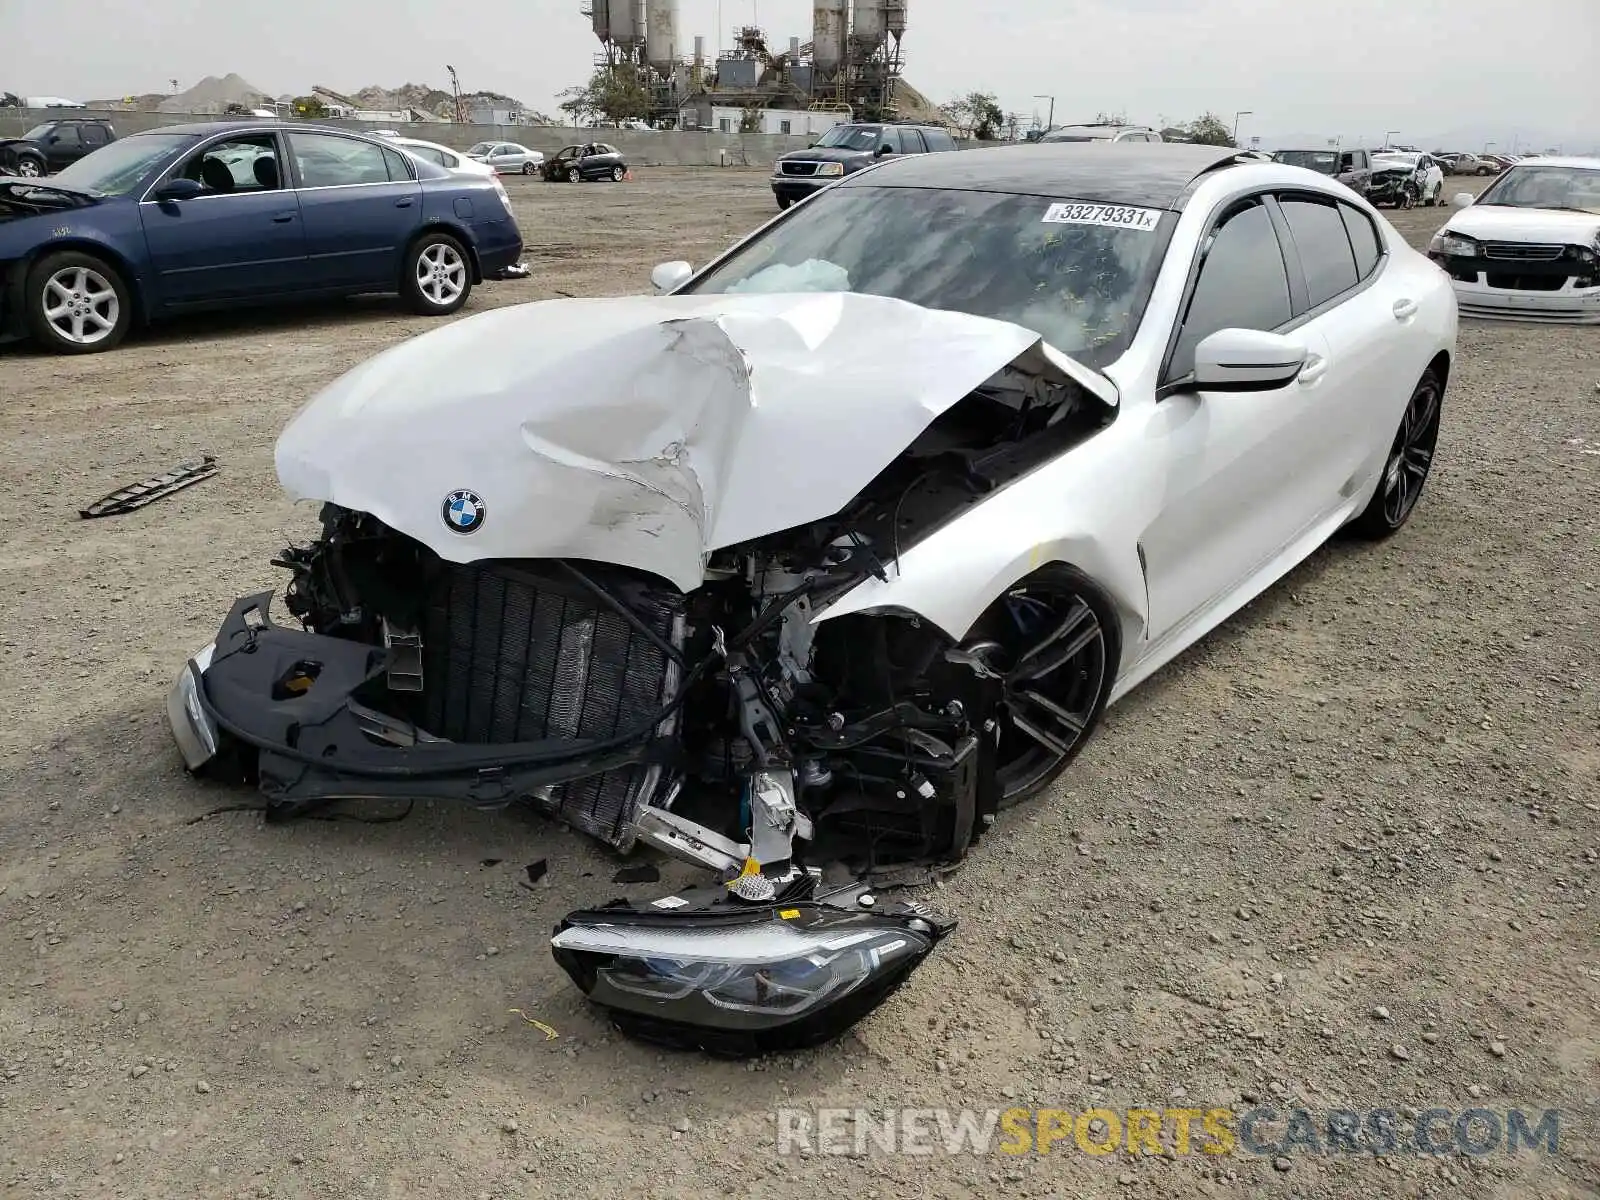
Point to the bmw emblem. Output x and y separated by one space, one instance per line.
464 511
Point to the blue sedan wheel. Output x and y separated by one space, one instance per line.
77 303
438 275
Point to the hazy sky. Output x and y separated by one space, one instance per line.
1346 67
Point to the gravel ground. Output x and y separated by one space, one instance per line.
1341 855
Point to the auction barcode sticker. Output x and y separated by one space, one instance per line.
1116 216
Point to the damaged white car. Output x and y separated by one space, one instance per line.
1528 248
806 570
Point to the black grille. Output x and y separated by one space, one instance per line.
799 168
1523 251
512 654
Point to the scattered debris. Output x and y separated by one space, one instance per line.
536 872
137 495
550 1034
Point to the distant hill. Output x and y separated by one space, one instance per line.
212 95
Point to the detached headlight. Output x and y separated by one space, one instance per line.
192 728
832 168
739 980
1453 244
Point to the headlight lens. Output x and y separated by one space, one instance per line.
831 169
191 726
739 980
1454 245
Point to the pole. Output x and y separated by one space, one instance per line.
1241 113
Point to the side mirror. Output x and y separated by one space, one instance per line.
1246 360
669 276
178 189
1462 200
883 148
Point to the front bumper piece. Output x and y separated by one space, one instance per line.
699 971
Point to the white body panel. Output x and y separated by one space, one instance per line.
464 165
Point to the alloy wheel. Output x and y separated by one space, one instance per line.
1047 644
1411 456
28 168
81 305
441 274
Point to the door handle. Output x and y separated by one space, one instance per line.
1313 370
403 202
282 218
1404 310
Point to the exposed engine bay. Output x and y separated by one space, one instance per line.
805 760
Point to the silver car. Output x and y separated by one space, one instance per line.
507 158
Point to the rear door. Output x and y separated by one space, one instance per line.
360 204
63 146
241 238
911 141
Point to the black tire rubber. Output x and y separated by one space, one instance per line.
784 202
411 291
1061 579
1376 522
33 302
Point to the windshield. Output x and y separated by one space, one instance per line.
37 132
118 168
1041 262
1072 137
851 137
481 148
1398 160
1576 189
1325 161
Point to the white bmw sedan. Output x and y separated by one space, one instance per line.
1528 248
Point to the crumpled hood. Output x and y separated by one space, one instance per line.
645 431
1490 222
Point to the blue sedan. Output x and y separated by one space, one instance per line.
226 214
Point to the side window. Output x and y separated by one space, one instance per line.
912 140
1363 238
938 139
242 164
65 135
891 138
1325 254
1243 284
446 160
327 160
93 135
399 170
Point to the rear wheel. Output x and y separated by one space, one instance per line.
77 303
437 277
1407 467
1054 639
528 168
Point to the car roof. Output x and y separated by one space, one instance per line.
1560 160
259 125
1150 174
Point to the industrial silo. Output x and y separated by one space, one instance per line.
866 27
661 40
602 19
894 17
627 23
827 33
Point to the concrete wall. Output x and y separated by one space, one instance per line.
664 148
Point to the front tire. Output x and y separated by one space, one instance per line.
437 277
574 175
784 202
617 174
30 167
1055 640
1408 464
77 303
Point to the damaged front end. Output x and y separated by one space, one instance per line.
801 760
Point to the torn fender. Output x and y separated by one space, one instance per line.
644 431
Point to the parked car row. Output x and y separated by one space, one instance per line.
53 146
